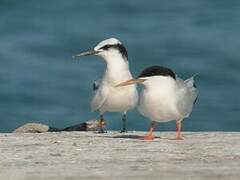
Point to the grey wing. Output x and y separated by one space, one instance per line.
100 92
187 96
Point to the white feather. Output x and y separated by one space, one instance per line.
107 97
164 98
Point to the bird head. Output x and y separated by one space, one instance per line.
107 49
149 74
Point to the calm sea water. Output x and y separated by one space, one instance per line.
40 82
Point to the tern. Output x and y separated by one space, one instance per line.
165 97
108 98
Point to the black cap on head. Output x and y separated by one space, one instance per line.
157 71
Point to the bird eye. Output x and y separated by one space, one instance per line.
106 47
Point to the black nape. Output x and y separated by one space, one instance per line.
157 71
120 47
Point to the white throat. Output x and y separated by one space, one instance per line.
117 69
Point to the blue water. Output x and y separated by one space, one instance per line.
40 82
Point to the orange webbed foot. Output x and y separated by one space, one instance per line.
101 125
148 137
178 138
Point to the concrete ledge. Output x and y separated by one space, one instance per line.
87 155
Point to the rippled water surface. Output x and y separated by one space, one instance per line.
40 82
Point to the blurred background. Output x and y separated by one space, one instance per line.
40 82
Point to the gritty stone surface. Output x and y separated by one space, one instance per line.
87 155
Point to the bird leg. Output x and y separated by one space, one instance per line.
101 125
149 135
178 130
124 119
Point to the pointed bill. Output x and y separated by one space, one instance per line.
86 53
129 82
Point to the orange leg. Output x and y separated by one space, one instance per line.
178 133
101 124
149 135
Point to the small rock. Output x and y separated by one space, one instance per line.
32 128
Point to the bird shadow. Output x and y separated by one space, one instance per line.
137 137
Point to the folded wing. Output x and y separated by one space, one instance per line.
100 93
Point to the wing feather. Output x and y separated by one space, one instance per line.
99 96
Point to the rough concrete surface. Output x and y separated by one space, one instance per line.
87 155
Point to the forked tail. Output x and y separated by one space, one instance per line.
192 86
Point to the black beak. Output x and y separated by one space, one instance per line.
86 53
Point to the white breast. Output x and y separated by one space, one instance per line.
120 99
114 99
158 100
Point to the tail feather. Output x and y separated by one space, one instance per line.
190 81
192 86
